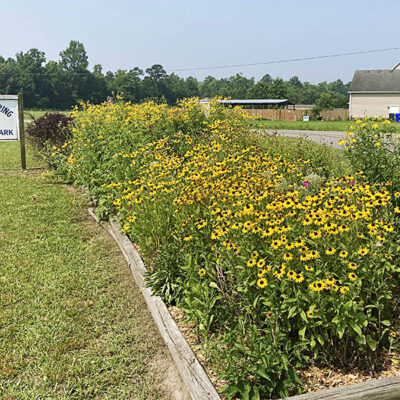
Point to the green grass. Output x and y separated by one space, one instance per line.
326 160
72 324
37 114
10 156
310 125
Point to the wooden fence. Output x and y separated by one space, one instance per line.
283 114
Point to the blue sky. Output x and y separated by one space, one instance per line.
196 33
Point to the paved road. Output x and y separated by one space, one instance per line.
324 137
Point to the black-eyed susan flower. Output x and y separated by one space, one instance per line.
330 251
202 271
318 286
269 314
262 282
343 254
363 251
276 244
330 281
352 265
291 274
344 289
352 276
335 287
313 254
288 256
261 263
251 262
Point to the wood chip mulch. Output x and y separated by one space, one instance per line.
314 378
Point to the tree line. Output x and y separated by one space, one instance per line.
61 84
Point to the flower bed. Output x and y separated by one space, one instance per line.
277 266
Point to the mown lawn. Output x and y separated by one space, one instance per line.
39 113
72 323
310 125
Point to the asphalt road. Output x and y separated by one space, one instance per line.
329 138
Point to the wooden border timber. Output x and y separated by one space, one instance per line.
376 389
193 375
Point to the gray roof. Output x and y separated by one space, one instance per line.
379 80
256 101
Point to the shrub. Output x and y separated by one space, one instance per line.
50 130
373 146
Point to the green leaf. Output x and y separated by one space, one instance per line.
261 373
385 322
356 328
292 311
320 340
303 316
213 285
302 332
256 394
372 344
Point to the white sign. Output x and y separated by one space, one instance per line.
306 118
9 128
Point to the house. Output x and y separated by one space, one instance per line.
375 93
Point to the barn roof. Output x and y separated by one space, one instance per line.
256 101
379 80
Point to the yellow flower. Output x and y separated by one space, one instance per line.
202 272
269 314
318 286
251 262
330 250
261 263
187 238
310 314
352 276
363 251
254 254
262 282
344 289
288 256
343 254
352 265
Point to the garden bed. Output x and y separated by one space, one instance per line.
280 263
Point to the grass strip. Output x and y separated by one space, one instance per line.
72 324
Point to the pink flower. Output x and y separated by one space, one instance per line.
150 126
306 184
129 207
352 182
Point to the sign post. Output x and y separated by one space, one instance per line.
12 122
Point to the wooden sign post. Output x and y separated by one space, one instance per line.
12 122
